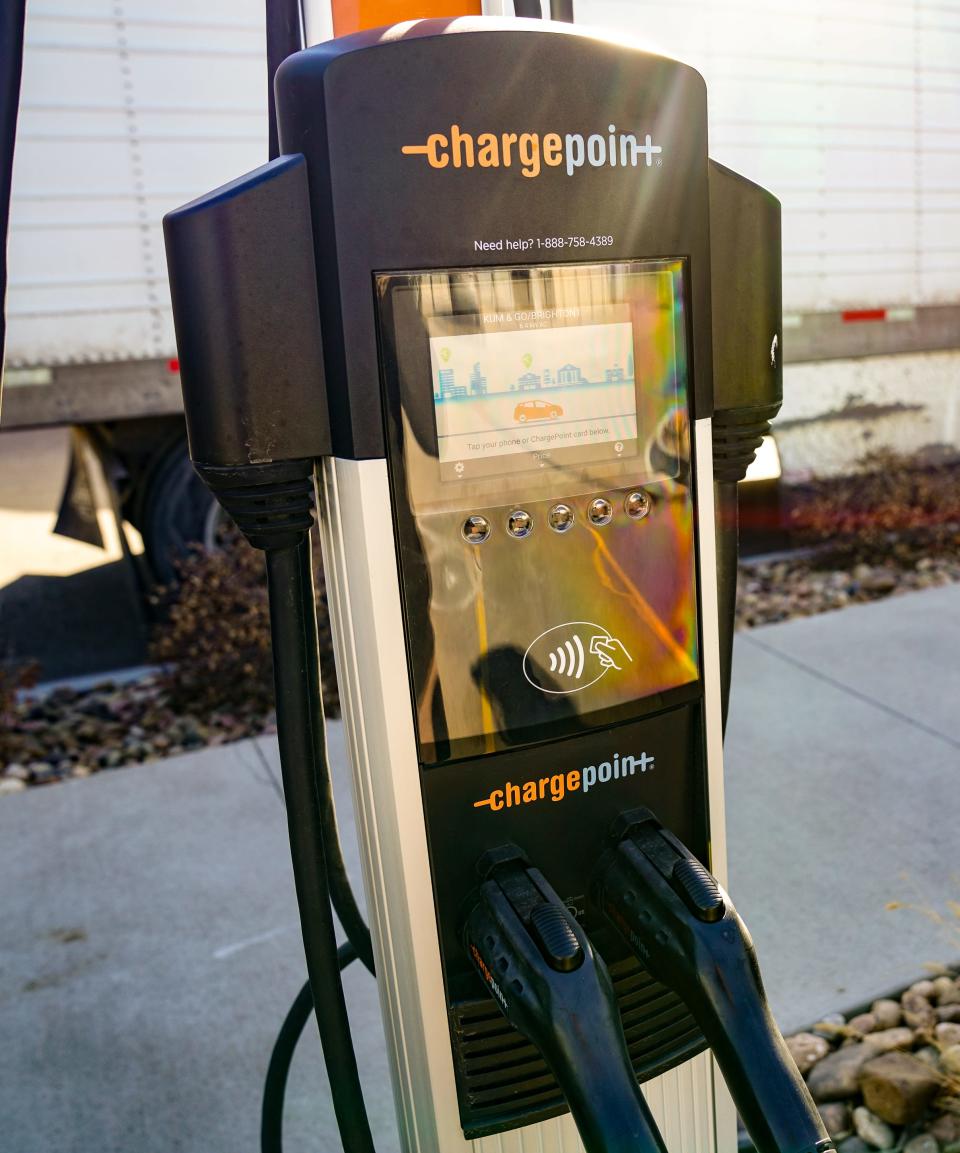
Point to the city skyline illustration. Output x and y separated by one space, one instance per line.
568 375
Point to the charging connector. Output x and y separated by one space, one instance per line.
543 973
682 925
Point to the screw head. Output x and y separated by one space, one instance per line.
637 504
475 529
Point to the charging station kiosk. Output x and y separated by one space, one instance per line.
512 265
510 512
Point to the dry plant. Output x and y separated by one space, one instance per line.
891 510
213 640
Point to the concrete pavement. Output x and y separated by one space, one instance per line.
843 795
150 946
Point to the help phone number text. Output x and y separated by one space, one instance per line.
531 243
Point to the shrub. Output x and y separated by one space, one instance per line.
13 680
888 510
214 636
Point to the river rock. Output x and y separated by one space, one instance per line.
946 1129
836 1119
807 1049
929 1056
854 1145
917 1010
889 1039
950 1059
946 991
872 1129
948 1012
887 1013
922 1143
947 1033
837 1076
11 785
880 580
925 988
898 1087
863 1023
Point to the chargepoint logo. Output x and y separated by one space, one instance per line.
487 975
556 786
531 151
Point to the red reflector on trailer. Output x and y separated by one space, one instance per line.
173 364
858 314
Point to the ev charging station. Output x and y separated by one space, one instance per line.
495 300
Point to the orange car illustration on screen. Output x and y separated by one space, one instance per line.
536 410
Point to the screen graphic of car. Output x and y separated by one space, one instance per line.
536 410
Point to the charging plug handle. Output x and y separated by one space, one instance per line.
683 927
541 969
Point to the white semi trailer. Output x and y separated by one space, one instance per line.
849 112
128 108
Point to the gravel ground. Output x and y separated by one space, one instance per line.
889 1078
66 733
781 589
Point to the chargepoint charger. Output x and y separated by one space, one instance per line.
497 296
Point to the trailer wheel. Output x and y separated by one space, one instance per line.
178 513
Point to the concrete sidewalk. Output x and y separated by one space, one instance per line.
150 946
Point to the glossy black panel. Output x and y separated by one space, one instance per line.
547 553
356 106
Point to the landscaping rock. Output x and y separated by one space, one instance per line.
807 1049
898 1087
924 988
11 785
836 1119
946 1129
948 1012
887 1013
871 1129
917 1010
889 1039
946 991
854 1145
929 1055
863 1023
947 1034
837 1076
950 1059
923 1143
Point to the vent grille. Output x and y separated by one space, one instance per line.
503 1081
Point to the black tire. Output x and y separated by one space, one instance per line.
178 513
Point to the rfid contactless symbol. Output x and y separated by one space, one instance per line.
572 656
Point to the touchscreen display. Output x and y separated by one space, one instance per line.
555 372
514 390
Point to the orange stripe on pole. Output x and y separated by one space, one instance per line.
355 15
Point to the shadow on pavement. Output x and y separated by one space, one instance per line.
89 622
